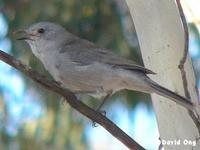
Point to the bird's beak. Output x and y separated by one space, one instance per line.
23 35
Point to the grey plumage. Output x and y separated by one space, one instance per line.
93 53
86 68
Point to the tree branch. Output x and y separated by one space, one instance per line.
184 58
72 101
194 117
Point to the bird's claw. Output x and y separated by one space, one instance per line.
103 112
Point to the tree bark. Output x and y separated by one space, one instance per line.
162 41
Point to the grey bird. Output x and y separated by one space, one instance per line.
86 68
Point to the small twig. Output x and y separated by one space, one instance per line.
186 42
182 62
72 100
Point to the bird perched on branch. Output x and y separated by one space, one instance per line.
85 68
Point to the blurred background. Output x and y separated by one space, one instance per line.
32 118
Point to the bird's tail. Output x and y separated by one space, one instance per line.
171 95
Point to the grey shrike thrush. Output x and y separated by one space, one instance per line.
85 68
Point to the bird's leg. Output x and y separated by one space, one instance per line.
62 100
103 102
103 112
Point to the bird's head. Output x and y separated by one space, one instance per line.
43 34
41 31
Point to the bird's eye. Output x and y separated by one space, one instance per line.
41 30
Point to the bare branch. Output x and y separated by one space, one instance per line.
182 63
186 42
72 100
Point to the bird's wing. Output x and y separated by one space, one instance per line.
84 52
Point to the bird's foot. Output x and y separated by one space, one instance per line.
103 112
